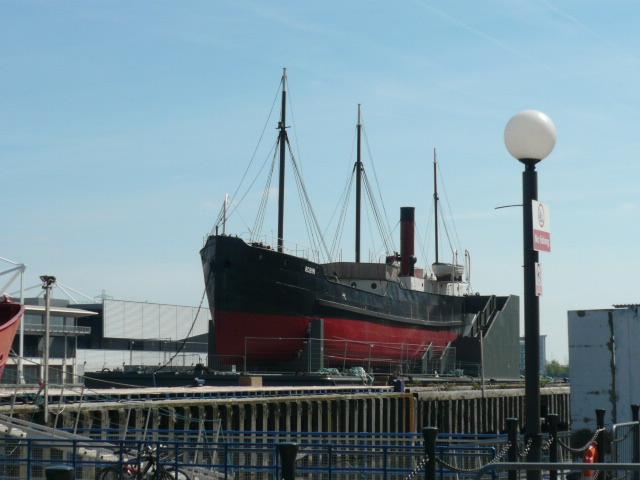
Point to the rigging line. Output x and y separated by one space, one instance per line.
446 231
341 200
306 195
257 228
376 213
383 230
345 210
255 150
375 175
337 238
184 341
305 214
344 200
235 207
293 117
373 241
446 197
427 237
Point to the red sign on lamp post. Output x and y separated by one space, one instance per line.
541 227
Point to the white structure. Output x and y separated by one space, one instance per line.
152 321
142 333
603 361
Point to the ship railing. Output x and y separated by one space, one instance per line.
312 355
484 317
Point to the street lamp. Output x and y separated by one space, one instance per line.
530 137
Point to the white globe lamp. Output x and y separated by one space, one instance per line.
530 136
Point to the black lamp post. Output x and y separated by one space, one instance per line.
530 136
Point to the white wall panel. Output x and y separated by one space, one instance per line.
168 322
133 320
113 315
138 320
151 320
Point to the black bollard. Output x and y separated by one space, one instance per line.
512 454
552 423
635 416
288 452
430 434
59 472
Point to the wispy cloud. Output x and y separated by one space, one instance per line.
481 34
583 26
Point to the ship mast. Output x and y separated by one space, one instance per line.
435 198
358 167
282 140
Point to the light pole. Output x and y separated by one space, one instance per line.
47 284
530 136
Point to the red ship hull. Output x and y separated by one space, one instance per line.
275 337
10 317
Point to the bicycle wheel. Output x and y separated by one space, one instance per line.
170 474
113 473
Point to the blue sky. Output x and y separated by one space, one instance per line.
123 124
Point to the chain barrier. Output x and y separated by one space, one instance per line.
419 467
523 452
547 445
457 469
629 432
585 446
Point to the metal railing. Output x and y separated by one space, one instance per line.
28 459
307 354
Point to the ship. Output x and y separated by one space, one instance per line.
10 316
270 307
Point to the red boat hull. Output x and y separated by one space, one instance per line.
10 317
282 338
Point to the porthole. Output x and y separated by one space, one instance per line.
374 285
354 284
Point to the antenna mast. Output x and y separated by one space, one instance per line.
282 140
358 183
435 197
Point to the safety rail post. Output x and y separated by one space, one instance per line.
226 463
552 422
74 448
330 460
385 454
512 454
121 455
29 448
635 416
430 435
288 452
602 439
175 455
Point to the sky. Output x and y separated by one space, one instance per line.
123 124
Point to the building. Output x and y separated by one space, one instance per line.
64 333
603 359
141 333
107 336
543 355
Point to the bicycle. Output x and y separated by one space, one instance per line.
145 468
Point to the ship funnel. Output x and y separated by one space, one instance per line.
407 226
